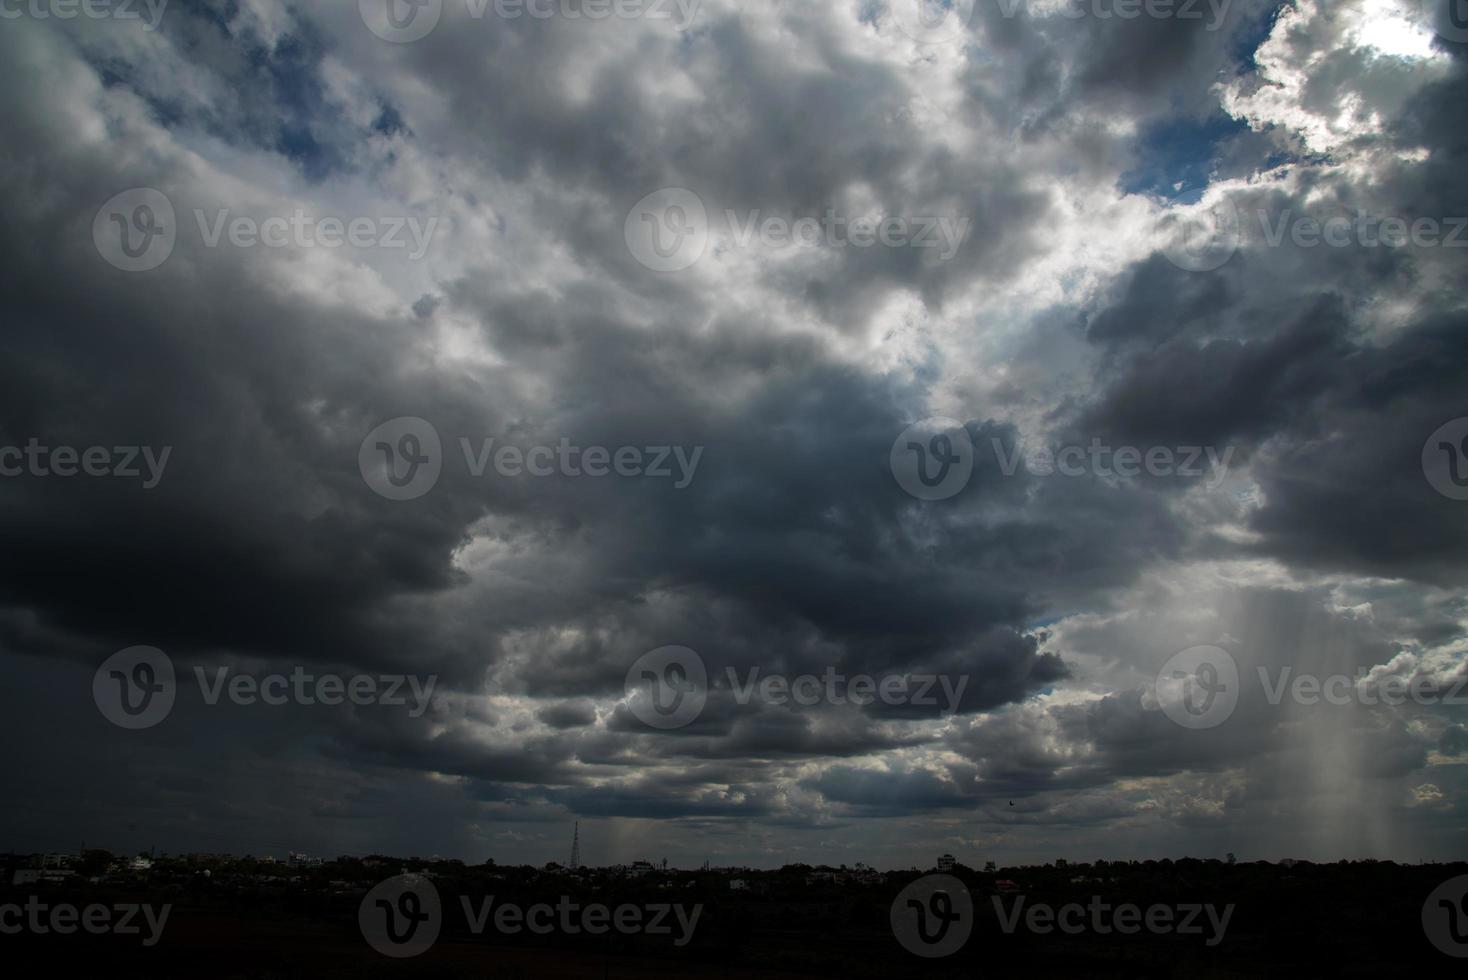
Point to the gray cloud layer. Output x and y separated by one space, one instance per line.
793 550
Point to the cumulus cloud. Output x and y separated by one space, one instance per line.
1314 373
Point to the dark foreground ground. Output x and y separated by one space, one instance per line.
1336 920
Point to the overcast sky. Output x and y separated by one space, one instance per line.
1047 224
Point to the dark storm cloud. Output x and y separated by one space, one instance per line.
568 714
792 549
1039 765
1346 421
1068 60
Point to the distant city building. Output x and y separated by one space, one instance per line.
946 862
54 867
639 868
